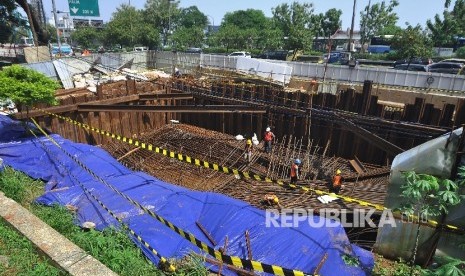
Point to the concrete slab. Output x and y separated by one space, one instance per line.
61 251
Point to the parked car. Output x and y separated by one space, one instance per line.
454 60
278 55
343 58
412 67
240 54
415 60
194 50
446 67
140 49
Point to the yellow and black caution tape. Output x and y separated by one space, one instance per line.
226 170
232 260
413 88
170 267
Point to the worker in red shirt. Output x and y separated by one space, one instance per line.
268 138
337 182
295 174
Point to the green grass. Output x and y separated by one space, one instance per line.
22 257
385 267
20 187
111 247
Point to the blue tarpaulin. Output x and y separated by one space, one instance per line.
301 248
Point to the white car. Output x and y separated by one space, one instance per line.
240 54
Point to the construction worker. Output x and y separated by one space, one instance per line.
295 174
271 200
337 182
177 73
268 138
248 151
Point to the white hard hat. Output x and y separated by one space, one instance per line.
239 137
268 129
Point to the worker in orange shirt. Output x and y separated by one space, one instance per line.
337 182
295 173
268 138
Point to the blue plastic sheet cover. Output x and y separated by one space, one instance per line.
300 248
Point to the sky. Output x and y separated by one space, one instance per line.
412 11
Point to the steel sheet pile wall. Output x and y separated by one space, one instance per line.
289 115
129 124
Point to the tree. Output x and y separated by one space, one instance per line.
412 42
295 23
49 28
188 37
10 19
87 37
248 29
246 19
427 196
127 27
442 31
162 15
460 53
42 35
331 22
447 4
26 86
445 31
190 28
191 17
316 24
230 37
375 18
270 38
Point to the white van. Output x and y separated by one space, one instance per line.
140 49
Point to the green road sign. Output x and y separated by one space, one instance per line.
83 8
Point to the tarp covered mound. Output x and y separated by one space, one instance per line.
301 248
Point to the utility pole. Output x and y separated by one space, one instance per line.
130 26
352 28
56 26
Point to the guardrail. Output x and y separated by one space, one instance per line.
188 63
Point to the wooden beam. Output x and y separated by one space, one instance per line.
170 96
39 113
169 108
357 165
124 99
